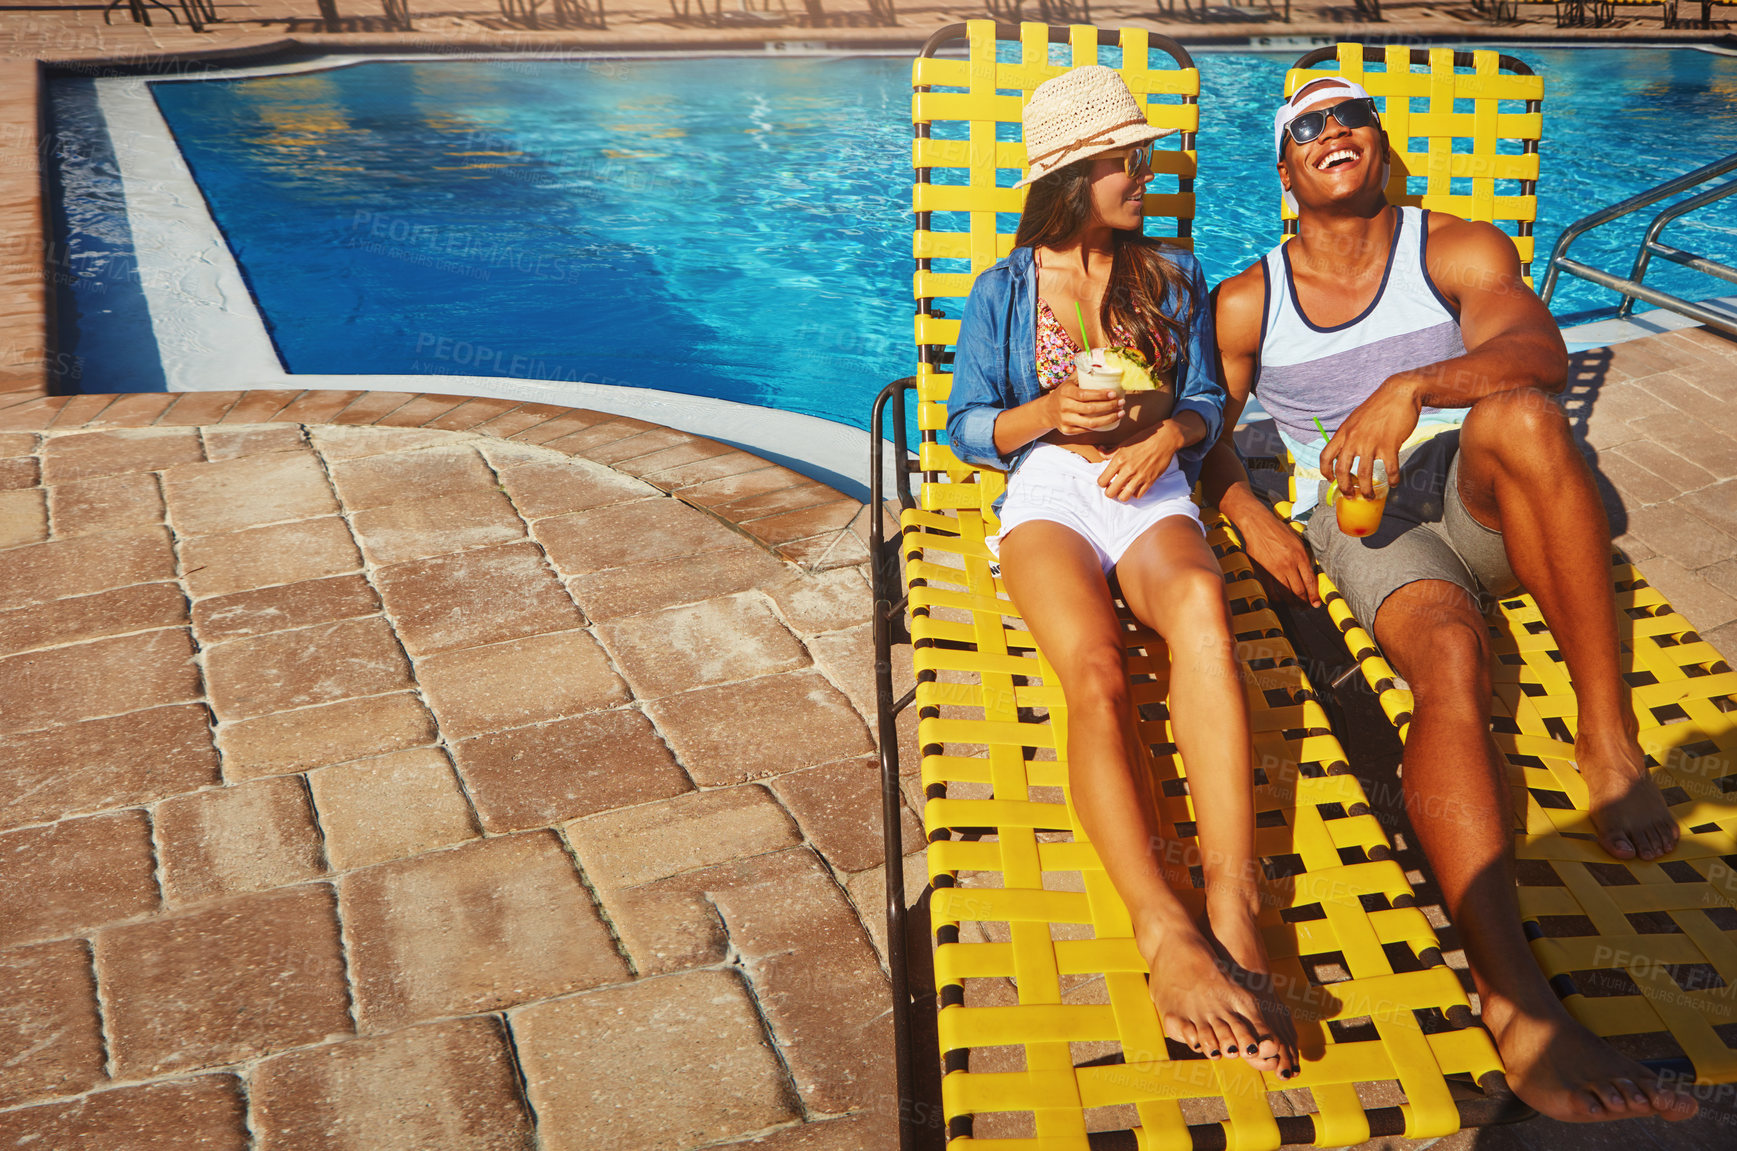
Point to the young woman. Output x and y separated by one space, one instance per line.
1100 483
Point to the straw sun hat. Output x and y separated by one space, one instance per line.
1080 114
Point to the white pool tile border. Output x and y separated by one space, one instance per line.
211 336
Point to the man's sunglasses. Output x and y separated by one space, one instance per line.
1355 113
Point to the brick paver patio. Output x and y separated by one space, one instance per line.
406 788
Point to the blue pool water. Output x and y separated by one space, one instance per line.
740 229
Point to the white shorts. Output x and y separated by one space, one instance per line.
1061 487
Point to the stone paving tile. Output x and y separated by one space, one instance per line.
1716 504
515 421
246 492
583 433
653 440
140 607
127 759
133 411
233 840
284 670
1680 533
524 681
868 891
476 928
316 736
830 601
85 564
1634 483
826 552
409 531
102 677
232 562
1722 575
23 517
638 845
412 476
336 442
80 409
443 1085
17 444
1706 446
111 503
295 605
20 471
372 407
715 467
196 408
315 407
838 806
390 807
685 450
275 956
542 487
474 597
51 1040
635 533
1682 473
848 1133
74 875
617 592
205 1113
716 641
804 523
742 486
87 455
252 439
31 416
257 405
684 1057
848 659
422 409
534 776
801 496
818 983
1702 604
1723 638
471 413
760 727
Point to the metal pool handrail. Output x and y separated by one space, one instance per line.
1632 288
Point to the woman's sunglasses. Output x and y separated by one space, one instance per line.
1355 113
1137 162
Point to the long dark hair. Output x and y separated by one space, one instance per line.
1057 207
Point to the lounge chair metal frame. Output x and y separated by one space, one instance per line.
1644 953
1018 960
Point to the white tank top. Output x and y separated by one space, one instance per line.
1307 370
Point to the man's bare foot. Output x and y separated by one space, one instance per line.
1562 1070
1627 809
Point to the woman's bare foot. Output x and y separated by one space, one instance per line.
1208 1002
1627 809
1562 1070
1232 921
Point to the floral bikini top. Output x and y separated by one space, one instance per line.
1055 348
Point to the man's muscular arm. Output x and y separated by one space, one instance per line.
1511 342
1269 541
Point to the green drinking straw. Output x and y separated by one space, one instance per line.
1085 344
1322 428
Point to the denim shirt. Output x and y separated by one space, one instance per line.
995 362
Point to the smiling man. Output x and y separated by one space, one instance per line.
1382 333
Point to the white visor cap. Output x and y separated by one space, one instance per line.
1312 93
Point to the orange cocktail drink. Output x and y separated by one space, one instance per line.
1360 515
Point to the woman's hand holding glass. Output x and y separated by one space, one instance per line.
1075 410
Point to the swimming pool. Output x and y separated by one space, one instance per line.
739 231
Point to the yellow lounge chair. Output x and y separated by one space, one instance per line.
1655 944
1045 1033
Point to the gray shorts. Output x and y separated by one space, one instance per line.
1426 533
